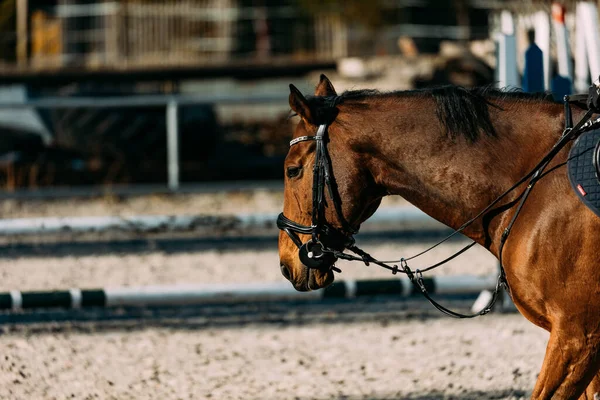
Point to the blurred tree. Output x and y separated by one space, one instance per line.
367 13
8 28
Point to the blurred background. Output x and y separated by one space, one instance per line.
141 152
227 64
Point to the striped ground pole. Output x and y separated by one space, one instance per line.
175 295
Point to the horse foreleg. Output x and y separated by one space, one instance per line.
570 364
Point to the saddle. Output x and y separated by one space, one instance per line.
584 169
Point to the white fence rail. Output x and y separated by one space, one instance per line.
405 218
170 102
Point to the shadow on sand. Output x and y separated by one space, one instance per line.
504 394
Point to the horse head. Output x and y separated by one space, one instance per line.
328 190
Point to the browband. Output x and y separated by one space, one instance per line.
319 136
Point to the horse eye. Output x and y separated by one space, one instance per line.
293 172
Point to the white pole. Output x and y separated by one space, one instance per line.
173 144
507 52
582 77
463 284
542 39
201 294
401 218
589 21
565 67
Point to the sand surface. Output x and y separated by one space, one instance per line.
496 357
389 357
395 355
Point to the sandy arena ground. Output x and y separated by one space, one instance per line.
395 355
497 357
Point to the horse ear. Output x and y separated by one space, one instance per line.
325 88
299 104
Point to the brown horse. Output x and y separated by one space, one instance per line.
451 152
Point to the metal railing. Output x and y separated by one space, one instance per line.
171 104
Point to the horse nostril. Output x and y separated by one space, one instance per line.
285 271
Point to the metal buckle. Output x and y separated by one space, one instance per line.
566 131
405 268
321 131
419 276
311 253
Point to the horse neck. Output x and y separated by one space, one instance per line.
452 180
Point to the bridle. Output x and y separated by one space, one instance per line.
327 244
318 251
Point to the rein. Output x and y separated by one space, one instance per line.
320 251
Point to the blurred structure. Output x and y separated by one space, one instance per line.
245 48
129 34
569 43
100 49
533 72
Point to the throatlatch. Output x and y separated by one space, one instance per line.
327 244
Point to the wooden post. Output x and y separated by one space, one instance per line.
22 39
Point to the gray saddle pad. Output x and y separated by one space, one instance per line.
583 169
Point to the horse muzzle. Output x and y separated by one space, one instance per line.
319 253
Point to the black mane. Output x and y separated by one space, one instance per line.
461 111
